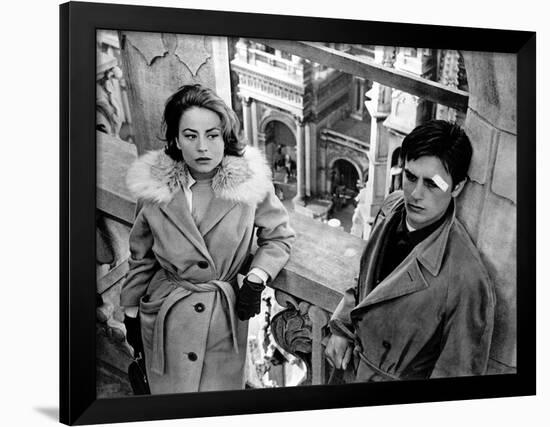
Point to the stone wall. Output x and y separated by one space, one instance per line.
487 206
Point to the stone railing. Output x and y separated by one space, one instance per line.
324 262
328 134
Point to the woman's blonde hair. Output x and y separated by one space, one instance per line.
196 95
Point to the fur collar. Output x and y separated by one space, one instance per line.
156 177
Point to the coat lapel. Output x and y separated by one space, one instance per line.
407 276
179 213
405 279
217 209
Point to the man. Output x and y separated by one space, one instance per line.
424 303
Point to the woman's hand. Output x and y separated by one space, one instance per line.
250 297
338 351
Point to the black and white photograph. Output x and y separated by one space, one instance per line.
268 218
275 213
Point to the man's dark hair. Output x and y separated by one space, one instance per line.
444 140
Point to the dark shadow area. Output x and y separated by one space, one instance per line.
52 412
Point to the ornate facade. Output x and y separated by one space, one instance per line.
342 130
315 104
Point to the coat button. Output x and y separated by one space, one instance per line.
192 356
202 264
199 307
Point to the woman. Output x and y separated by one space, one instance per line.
199 201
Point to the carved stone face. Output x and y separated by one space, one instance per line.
200 140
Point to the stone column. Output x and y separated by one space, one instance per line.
379 107
247 119
362 95
300 172
261 141
254 122
308 159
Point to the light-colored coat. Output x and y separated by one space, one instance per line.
431 317
183 276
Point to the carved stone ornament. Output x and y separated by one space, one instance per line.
291 329
191 51
149 45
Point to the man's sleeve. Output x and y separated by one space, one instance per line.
467 329
340 321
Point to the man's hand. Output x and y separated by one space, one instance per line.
338 351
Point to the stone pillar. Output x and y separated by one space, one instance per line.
378 159
308 159
254 122
261 141
246 120
379 107
487 205
300 172
358 98
324 176
362 93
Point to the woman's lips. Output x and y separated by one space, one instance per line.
203 160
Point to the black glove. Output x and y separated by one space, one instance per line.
133 334
249 299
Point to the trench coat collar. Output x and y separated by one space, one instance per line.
177 210
217 209
408 276
155 177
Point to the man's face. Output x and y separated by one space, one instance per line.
425 199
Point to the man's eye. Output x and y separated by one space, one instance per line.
431 184
410 177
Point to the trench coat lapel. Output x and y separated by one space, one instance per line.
217 209
408 277
179 213
405 279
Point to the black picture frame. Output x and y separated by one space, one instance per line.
78 24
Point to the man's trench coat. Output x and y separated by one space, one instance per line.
183 276
431 317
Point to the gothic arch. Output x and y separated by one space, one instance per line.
279 116
357 167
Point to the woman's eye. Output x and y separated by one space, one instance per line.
213 135
190 136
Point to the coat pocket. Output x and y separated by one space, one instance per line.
150 304
148 311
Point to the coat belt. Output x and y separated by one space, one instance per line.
343 329
226 291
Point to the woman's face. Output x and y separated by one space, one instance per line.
200 139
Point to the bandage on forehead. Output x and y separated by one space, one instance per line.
440 182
